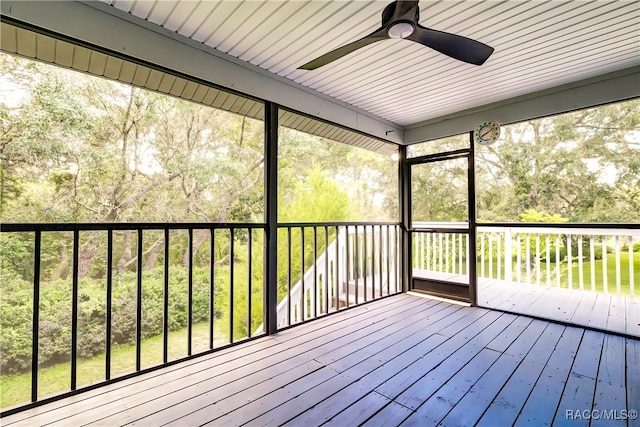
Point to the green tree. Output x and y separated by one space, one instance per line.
581 165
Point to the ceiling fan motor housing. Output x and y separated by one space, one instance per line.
400 18
406 11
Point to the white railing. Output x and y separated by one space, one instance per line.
594 259
329 279
441 252
360 265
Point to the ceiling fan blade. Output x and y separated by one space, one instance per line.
457 47
376 36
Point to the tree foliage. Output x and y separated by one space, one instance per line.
583 166
75 149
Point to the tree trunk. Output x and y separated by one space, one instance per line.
86 254
123 262
199 238
61 270
154 253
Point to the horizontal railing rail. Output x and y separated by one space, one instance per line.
134 281
595 257
104 226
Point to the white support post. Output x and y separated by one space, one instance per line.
427 253
631 284
538 259
481 255
460 258
508 253
453 253
499 257
618 284
440 251
604 265
469 260
421 252
435 249
580 264
569 262
518 259
558 260
592 261
490 255
527 260
446 252
548 258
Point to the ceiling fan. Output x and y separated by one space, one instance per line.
400 21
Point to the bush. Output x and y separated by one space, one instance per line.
16 313
636 247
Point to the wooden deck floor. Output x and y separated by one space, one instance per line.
594 310
400 360
605 312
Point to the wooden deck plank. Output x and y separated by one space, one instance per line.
530 297
341 358
495 288
557 304
508 403
600 314
632 358
360 411
585 307
415 395
440 403
580 388
163 409
269 408
397 384
321 402
428 340
545 395
488 288
355 356
502 342
391 415
616 321
471 407
352 392
502 297
610 393
632 316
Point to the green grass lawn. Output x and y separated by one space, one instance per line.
16 389
599 266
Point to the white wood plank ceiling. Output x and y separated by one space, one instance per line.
538 45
